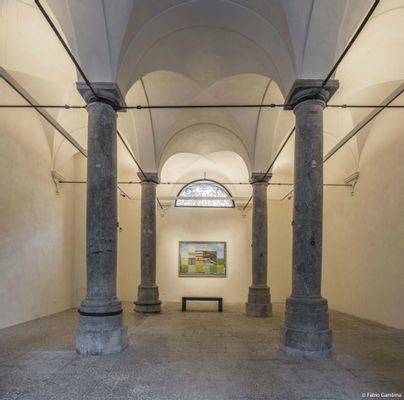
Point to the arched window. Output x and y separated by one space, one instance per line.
204 193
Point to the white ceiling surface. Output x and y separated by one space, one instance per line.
205 52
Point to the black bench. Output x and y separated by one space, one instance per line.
188 298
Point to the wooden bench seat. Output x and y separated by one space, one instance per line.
199 298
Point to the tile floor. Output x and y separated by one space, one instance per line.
199 355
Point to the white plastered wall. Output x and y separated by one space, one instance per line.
363 241
36 236
182 224
193 224
364 234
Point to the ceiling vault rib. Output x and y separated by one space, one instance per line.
107 34
377 109
306 34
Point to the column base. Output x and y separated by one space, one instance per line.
101 335
100 329
148 300
259 302
306 328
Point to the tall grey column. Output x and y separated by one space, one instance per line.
259 298
100 329
148 292
306 327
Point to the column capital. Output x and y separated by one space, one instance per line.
260 177
149 177
310 89
107 92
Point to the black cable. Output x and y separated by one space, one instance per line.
279 151
88 83
159 203
45 115
248 202
364 106
351 42
68 107
333 69
356 131
222 183
52 25
140 107
185 106
123 193
130 153
328 77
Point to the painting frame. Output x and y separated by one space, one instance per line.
206 247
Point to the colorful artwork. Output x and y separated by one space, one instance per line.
202 259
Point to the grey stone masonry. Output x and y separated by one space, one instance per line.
259 298
306 327
148 292
100 328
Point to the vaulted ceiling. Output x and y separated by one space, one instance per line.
205 52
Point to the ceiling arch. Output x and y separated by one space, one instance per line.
204 139
240 51
212 31
253 127
222 166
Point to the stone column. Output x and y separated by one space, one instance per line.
259 298
100 328
306 327
148 292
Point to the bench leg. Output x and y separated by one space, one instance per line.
220 306
184 305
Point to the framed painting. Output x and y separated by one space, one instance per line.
202 259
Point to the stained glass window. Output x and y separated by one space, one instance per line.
204 193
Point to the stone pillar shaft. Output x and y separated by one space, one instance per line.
101 202
148 294
306 327
259 234
259 299
308 199
100 329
